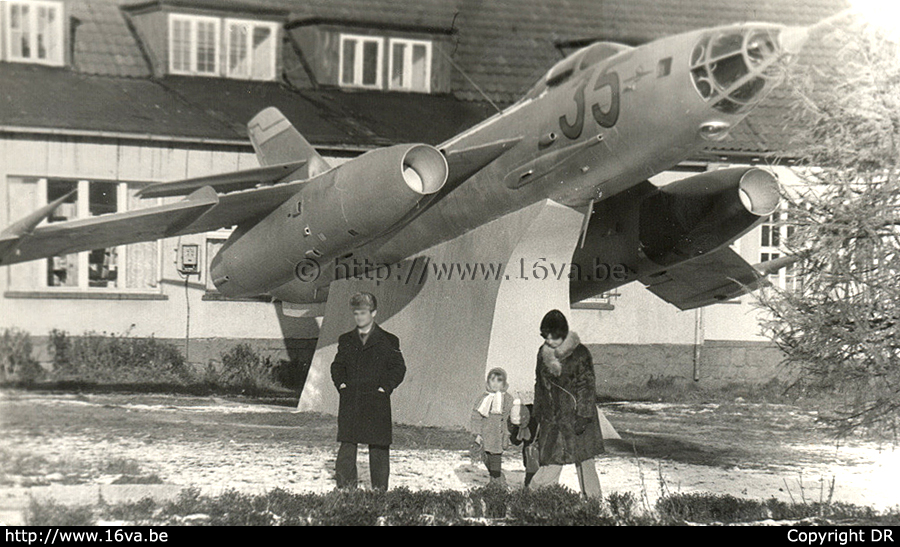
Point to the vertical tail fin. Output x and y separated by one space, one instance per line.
277 141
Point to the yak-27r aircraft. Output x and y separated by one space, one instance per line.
588 135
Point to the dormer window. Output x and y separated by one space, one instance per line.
193 45
233 48
34 32
378 57
361 61
250 49
410 65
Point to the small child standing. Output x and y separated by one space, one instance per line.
489 422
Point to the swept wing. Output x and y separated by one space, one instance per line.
708 279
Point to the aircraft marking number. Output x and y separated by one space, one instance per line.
573 131
609 117
604 117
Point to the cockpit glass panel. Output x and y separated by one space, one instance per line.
728 107
729 70
733 69
701 82
725 44
561 71
760 46
749 90
699 52
600 51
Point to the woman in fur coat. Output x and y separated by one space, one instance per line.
565 406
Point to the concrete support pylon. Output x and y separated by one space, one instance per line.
454 327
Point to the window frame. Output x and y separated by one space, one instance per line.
59 57
771 246
359 62
271 64
40 284
193 21
407 58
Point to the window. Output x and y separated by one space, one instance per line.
194 45
664 67
250 49
360 61
603 301
34 32
410 65
130 267
774 232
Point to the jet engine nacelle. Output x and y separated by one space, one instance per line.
698 214
332 214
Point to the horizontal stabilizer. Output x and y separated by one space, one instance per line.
707 279
465 162
14 233
226 182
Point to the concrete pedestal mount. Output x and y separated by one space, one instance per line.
453 328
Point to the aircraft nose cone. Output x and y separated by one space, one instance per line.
793 39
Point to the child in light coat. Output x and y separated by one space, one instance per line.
489 422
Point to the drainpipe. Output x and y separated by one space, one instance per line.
698 341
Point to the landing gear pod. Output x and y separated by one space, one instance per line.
696 215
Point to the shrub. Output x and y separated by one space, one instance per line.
623 507
233 508
244 369
490 502
189 502
408 508
16 362
557 506
102 358
55 514
141 511
60 345
704 507
291 374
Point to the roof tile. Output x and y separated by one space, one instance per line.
504 46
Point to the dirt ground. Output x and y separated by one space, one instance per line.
749 450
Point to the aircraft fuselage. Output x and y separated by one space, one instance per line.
601 121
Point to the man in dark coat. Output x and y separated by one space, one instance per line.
368 367
565 406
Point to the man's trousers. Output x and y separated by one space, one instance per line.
379 466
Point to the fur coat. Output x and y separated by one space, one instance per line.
565 404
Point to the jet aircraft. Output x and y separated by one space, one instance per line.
588 135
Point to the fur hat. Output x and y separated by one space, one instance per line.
554 324
363 300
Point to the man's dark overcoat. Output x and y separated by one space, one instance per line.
364 413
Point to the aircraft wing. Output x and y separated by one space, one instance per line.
462 163
202 211
707 279
228 182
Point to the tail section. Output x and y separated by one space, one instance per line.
277 141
